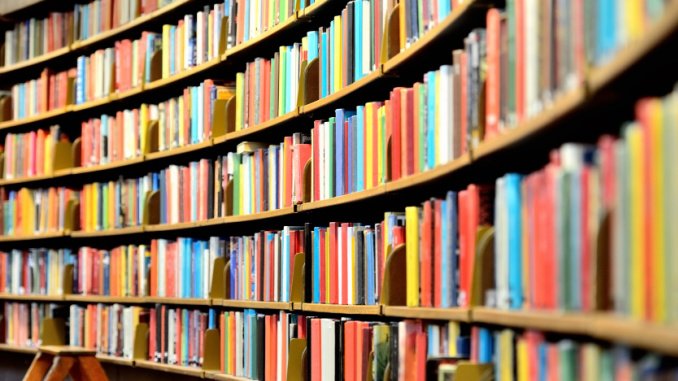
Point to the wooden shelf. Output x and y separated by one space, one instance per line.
379 190
427 313
217 375
163 82
172 227
271 33
178 150
108 233
40 60
250 217
32 298
32 237
28 179
178 301
94 103
115 360
176 369
551 321
341 309
17 349
344 92
269 124
253 304
107 166
427 176
652 337
563 106
35 118
105 299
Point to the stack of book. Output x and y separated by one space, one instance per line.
30 154
102 15
38 96
34 37
33 211
114 204
121 271
21 323
34 272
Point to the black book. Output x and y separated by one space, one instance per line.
360 265
393 344
260 348
339 350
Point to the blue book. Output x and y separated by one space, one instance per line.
358 37
513 205
246 34
198 260
107 273
316 265
444 9
323 65
163 198
339 149
485 345
196 110
360 148
212 319
312 38
430 120
184 333
172 49
607 29
79 82
369 252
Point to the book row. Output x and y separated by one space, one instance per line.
36 36
33 272
20 323
52 91
108 329
31 153
31 211
176 334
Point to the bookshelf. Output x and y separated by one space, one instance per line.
580 101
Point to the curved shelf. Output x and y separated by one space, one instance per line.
253 304
372 310
344 92
31 237
104 299
551 321
178 301
17 349
108 233
217 375
114 360
96 39
169 368
269 124
428 313
32 298
7 124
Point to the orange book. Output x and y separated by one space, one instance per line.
358 358
520 59
492 98
154 268
269 369
426 255
283 355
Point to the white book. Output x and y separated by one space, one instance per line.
501 247
340 270
350 267
367 38
200 39
402 344
328 350
239 344
446 114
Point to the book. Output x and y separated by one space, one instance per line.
34 271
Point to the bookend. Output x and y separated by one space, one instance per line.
296 360
152 208
602 298
2 165
390 43
394 284
223 37
151 138
308 180
298 281
156 66
370 365
218 287
53 331
211 350
5 108
483 267
76 152
140 350
70 91
67 280
309 82
228 198
474 372
72 217
223 117
62 155
227 280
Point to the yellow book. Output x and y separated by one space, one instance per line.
95 205
239 100
327 266
182 136
381 132
591 362
506 355
634 140
412 247
635 15
337 64
143 117
210 36
671 218
369 145
166 50
523 369
658 238
28 211
452 336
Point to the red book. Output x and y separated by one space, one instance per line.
548 204
266 110
407 120
349 351
283 354
207 108
475 344
464 247
394 113
187 193
273 346
163 329
520 59
316 160
323 268
421 356
316 355
398 236
644 116
492 97
334 264
416 128
359 344
170 264
268 363
426 254
288 171
344 259
411 330
437 254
